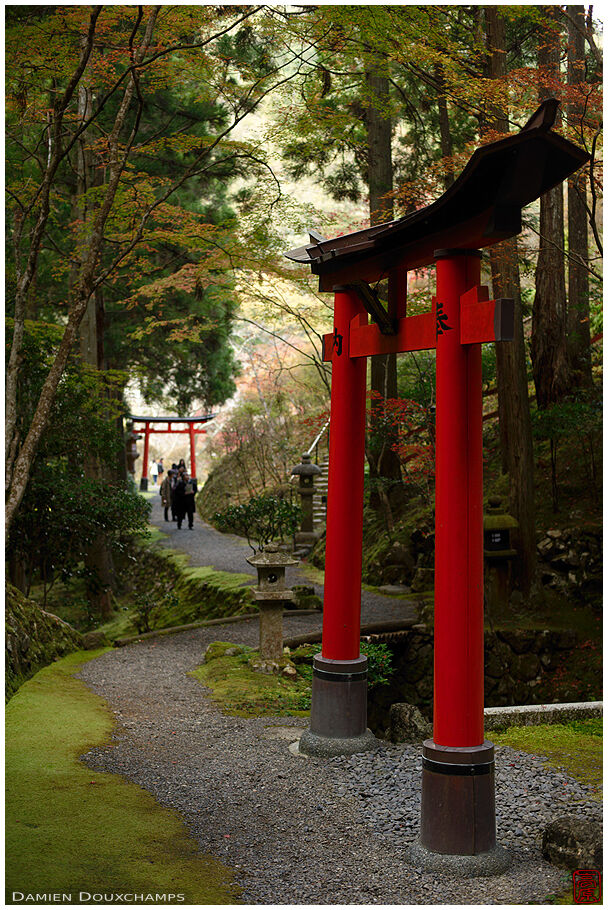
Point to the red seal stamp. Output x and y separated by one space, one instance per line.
587 886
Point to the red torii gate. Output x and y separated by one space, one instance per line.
481 208
191 429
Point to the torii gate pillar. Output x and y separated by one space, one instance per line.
338 715
458 813
143 483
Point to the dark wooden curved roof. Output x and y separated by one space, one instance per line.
482 207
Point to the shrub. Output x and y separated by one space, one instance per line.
262 519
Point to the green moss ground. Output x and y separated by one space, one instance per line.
240 691
575 747
69 829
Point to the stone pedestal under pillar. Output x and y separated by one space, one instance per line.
338 717
458 819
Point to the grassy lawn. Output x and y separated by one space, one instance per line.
69 829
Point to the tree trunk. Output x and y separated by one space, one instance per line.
444 125
386 487
514 414
513 404
98 555
579 336
26 275
548 346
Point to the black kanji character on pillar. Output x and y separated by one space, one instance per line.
337 342
442 320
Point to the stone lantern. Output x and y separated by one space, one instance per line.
498 552
132 454
306 488
270 596
497 527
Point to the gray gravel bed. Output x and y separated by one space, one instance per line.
301 830
528 794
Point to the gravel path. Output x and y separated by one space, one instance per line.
207 547
302 830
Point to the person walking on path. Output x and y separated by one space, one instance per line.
165 493
184 495
173 478
154 472
161 470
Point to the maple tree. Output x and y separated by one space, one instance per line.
124 54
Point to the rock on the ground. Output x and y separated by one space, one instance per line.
407 725
574 843
95 639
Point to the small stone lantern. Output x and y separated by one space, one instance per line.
131 452
306 488
497 527
498 553
270 595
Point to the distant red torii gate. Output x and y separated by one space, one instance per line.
146 428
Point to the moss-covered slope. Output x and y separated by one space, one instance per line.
34 638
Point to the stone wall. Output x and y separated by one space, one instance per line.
34 639
521 668
570 561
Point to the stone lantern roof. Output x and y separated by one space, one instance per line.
495 518
272 557
306 468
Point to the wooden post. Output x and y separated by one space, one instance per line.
457 806
144 468
192 451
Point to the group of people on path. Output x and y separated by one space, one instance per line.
177 492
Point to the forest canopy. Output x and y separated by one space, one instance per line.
161 159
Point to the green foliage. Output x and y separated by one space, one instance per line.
380 667
263 519
573 416
147 603
379 661
88 400
69 828
63 512
575 419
